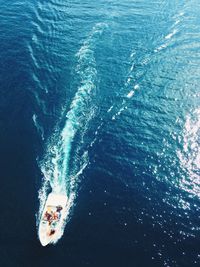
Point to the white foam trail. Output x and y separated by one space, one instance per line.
136 87
170 35
174 31
38 126
109 110
86 61
181 13
161 47
177 21
132 54
124 103
130 94
58 173
129 83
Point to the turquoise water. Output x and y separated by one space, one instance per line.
100 101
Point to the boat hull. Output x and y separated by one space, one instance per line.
52 218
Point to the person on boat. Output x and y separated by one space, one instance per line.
59 208
57 213
47 216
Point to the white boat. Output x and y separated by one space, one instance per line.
52 219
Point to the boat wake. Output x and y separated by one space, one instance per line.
66 157
173 31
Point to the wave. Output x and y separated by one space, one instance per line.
38 126
60 171
171 34
174 31
132 85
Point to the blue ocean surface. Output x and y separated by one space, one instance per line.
100 101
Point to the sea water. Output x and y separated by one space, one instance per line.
100 102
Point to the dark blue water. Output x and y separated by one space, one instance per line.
101 101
